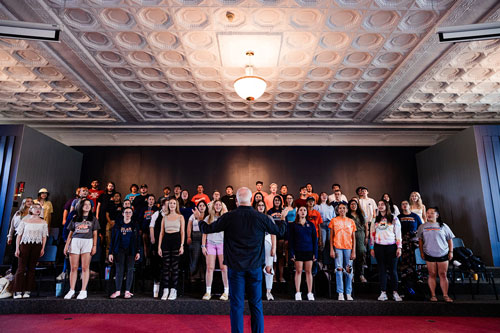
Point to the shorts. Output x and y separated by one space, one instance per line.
81 245
303 256
435 259
215 249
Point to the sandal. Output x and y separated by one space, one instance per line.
448 299
433 299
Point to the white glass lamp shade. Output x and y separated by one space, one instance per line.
250 87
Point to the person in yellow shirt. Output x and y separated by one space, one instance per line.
47 209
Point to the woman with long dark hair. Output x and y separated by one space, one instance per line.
81 244
436 248
355 213
303 245
194 237
385 246
171 247
394 208
256 198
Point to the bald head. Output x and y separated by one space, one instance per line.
244 196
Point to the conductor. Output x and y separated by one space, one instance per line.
244 231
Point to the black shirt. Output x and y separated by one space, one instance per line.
230 201
244 231
114 210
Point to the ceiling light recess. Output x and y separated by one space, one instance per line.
250 87
29 30
469 32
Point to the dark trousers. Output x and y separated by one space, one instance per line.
24 279
195 252
387 260
252 280
170 268
14 260
122 258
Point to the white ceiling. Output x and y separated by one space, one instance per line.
167 66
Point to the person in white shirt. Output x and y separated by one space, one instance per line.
331 197
368 205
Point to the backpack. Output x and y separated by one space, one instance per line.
4 288
469 262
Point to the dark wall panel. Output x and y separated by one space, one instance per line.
381 169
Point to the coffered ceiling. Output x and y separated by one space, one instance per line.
167 67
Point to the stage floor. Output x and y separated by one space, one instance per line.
213 323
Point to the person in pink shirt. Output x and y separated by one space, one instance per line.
268 200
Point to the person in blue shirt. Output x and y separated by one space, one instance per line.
244 231
124 250
303 246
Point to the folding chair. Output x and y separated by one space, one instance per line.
49 261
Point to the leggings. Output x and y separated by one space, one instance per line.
387 260
170 250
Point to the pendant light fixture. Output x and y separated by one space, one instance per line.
250 87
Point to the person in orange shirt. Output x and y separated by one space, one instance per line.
200 195
314 217
343 250
268 200
310 192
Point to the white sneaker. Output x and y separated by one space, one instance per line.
26 294
173 294
269 296
383 296
70 294
341 297
298 296
82 294
310 296
396 296
349 297
61 276
156 290
206 297
165 294
17 295
363 279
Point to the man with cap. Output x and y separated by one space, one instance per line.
47 209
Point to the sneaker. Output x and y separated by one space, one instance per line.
341 297
115 295
363 279
173 294
17 295
396 296
26 294
269 296
310 297
70 294
206 297
383 296
349 297
82 294
165 294
282 280
128 294
61 276
298 296
156 290
224 297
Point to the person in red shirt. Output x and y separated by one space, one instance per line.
200 195
302 200
94 193
314 217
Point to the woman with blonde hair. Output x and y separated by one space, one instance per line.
171 247
32 234
212 246
416 205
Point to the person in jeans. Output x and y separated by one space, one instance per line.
244 259
194 237
343 250
171 247
385 246
270 248
303 246
32 234
327 212
436 248
124 250
81 244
